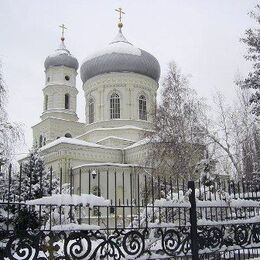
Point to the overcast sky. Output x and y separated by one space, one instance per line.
202 36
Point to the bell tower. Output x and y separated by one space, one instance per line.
59 117
60 92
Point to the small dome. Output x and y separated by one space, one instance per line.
61 57
120 56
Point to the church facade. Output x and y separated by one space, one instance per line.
120 83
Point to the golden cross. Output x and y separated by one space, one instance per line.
120 13
62 31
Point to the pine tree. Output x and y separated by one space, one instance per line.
252 81
36 181
32 182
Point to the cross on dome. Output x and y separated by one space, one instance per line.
61 56
120 11
63 28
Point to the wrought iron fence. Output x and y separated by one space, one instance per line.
105 214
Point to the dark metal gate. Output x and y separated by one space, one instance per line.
148 218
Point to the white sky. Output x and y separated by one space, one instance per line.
202 36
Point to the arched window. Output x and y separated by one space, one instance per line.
142 108
45 102
68 135
91 110
67 101
40 141
114 106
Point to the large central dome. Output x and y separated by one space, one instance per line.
120 56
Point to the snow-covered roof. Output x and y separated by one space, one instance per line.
127 127
74 141
115 137
61 57
61 119
123 165
117 46
120 56
141 142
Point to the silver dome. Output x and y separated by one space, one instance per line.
61 57
120 56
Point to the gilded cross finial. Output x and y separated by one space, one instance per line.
120 11
62 31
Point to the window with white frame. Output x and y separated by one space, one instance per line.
91 110
114 106
142 108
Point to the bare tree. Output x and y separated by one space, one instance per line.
177 143
10 132
233 131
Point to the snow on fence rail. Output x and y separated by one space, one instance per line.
89 200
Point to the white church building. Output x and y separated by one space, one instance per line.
120 83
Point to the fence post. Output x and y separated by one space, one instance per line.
193 222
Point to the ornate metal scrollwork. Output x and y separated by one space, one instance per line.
108 245
239 235
174 241
210 237
96 244
133 243
77 245
23 246
256 233
171 241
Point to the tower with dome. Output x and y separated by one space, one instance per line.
120 84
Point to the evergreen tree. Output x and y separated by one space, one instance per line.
32 182
36 181
252 81
206 169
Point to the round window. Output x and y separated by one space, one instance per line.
67 77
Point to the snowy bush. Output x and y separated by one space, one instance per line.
31 183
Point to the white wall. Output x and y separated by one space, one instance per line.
129 86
